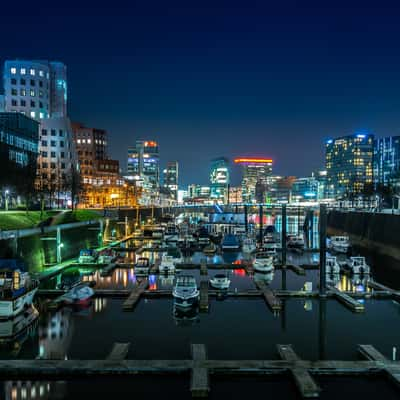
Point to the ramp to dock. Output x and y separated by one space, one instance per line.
304 381
135 295
347 300
372 354
199 384
272 301
204 296
119 351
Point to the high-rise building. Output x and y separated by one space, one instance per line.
255 178
38 89
170 178
304 189
219 179
18 152
387 161
143 163
349 164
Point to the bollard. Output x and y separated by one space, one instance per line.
394 351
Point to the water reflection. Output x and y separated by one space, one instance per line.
185 317
24 390
355 283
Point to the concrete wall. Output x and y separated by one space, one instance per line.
378 233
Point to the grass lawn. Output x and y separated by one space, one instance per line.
10 220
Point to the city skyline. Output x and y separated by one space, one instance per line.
285 74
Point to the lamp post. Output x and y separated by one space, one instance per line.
6 193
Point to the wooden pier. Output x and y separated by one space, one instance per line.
135 295
297 269
200 368
203 267
347 300
204 303
304 381
199 384
272 301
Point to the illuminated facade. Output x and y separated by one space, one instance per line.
219 179
387 161
255 178
144 163
349 164
170 178
305 189
38 89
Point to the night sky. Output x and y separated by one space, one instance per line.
209 79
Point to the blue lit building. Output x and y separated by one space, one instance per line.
305 189
349 164
219 179
387 161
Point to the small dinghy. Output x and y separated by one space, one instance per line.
220 281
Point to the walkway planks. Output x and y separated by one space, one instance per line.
372 354
119 351
134 297
204 296
304 381
272 301
347 300
199 385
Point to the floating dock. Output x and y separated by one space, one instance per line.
272 301
199 382
135 295
119 351
347 300
204 303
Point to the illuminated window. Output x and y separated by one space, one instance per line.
23 71
79 141
41 73
32 72
41 115
32 93
89 141
33 114
13 70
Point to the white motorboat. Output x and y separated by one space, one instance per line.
220 281
185 291
167 265
332 266
339 244
142 266
263 277
248 246
106 257
17 288
11 328
87 256
263 262
79 294
358 265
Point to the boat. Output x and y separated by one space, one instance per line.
210 249
106 257
171 235
79 294
339 244
220 281
230 243
87 256
295 242
248 246
263 277
167 265
185 291
332 266
142 266
358 265
203 236
263 262
17 288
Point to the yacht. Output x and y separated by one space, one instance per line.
87 256
185 291
263 277
358 265
263 262
220 281
167 265
339 244
106 257
142 266
17 288
249 246
230 243
332 266
295 242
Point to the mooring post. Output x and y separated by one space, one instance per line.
59 245
311 228
322 249
283 235
246 226
261 225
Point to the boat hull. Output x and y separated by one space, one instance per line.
181 302
11 308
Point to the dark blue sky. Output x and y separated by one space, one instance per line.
220 78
